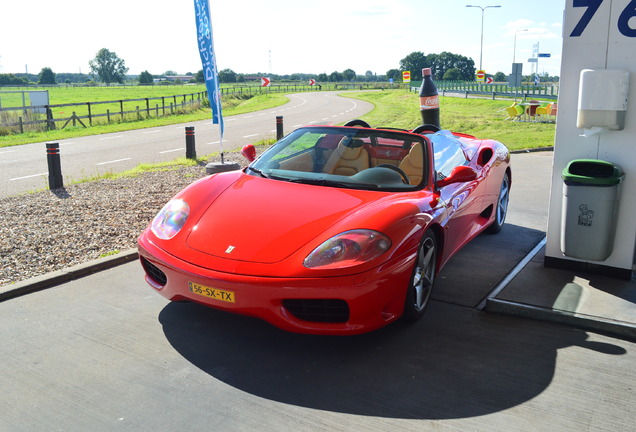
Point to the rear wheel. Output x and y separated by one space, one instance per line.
422 279
501 209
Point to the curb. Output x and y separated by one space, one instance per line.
58 277
587 322
533 150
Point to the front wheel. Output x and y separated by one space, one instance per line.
422 279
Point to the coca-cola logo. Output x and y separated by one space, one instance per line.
429 102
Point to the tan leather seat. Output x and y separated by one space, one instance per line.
413 164
348 159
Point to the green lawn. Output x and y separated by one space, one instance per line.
482 118
231 106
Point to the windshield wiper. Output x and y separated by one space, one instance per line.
259 172
334 183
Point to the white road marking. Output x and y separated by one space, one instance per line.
170 151
114 161
153 131
113 137
29 176
250 136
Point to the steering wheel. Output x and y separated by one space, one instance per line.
405 178
426 128
357 122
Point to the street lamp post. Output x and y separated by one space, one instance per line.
514 50
483 9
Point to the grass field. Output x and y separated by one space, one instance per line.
70 94
482 118
393 108
231 106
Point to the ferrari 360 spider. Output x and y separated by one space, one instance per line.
333 229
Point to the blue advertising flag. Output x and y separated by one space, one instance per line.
208 60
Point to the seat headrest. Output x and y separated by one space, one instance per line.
416 155
353 143
351 153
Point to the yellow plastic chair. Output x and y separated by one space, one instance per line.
520 111
513 111
544 110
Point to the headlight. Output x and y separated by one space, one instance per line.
170 219
348 249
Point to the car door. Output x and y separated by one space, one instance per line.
461 199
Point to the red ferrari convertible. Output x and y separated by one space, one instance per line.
332 230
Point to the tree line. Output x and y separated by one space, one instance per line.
109 68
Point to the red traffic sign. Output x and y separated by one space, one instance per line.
406 76
265 82
488 80
312 82
481 75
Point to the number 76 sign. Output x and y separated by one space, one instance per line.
591 14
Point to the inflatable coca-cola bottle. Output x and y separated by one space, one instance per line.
429 99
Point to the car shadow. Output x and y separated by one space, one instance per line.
454 363
476 270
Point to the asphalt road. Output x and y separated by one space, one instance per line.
107 353
24 168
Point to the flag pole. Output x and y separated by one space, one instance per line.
211 76
221 145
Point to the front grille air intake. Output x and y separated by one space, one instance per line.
154 272
318 310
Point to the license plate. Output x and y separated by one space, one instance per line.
213 293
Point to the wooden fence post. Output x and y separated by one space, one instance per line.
50 123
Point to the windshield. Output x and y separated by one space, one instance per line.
346 157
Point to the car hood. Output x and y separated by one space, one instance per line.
264 221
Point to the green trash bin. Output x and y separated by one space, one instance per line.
590 204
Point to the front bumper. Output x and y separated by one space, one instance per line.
333 305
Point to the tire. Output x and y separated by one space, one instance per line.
422 279
501 206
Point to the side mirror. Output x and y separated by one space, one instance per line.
459 174
249 152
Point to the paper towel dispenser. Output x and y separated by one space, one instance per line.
603 97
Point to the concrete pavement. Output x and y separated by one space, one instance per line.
523 287
99 350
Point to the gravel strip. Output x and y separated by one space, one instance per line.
53 230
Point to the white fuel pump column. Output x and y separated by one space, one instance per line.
597 120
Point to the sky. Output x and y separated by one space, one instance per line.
278 36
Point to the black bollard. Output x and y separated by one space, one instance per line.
55 168
191 152
279 127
